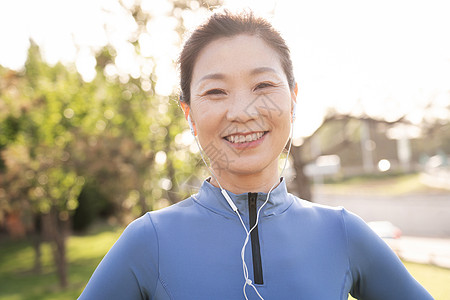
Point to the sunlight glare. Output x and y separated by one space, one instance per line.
384 165
166 74
160 157
85 64
14 43
385 59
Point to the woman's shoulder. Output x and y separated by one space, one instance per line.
316 208
145 228
182 207
180 211
356 231
145 224
350 222
142 233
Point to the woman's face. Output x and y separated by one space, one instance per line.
241 105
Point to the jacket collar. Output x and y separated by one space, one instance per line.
210 197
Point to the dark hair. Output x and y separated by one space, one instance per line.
227 24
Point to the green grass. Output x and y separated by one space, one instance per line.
435 279
17 282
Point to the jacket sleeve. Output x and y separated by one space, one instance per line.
130 269
376 270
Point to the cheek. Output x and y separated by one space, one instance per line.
279 115
207 118
282 117
276 103
206 108
283 128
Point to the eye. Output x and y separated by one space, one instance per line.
263 85
214 92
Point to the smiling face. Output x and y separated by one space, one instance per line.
241 105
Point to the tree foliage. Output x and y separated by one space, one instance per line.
59 132
112 137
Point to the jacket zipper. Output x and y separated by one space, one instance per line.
256 251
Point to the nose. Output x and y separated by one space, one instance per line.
242 108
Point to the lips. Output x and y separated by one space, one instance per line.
240 138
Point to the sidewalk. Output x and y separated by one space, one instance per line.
422 250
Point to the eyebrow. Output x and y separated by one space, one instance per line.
262 70
212 76
252 72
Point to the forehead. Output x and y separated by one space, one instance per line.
237 55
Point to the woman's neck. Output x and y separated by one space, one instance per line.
244 183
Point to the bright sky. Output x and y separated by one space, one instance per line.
384 57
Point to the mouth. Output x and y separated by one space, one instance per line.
243 138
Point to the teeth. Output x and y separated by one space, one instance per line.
245 138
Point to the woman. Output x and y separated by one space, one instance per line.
243 235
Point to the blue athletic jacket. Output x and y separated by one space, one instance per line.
299 250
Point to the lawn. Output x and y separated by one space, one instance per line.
85 252
17 282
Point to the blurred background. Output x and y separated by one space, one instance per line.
92 136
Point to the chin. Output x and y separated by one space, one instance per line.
247 167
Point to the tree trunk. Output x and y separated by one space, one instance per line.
59 253
302 182
36 240
57 231
144 206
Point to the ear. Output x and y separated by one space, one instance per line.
294 101
186 110
294 93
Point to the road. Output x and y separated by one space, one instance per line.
422 215
423 218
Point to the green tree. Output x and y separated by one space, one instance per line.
58 132
36 148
